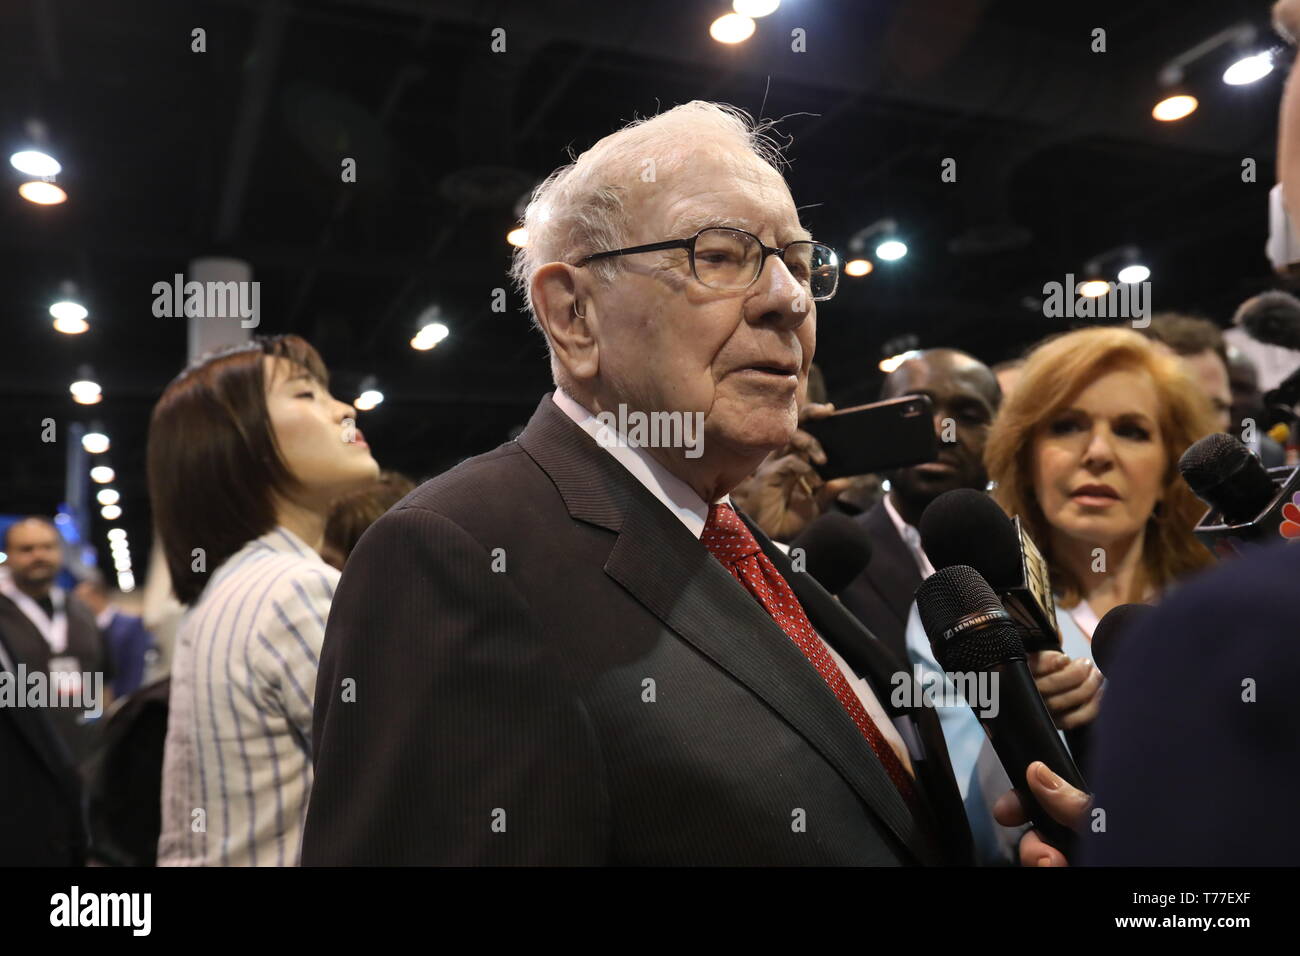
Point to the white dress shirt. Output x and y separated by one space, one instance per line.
239 729
683 501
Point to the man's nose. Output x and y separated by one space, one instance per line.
778 297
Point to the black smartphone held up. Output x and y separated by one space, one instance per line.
876 437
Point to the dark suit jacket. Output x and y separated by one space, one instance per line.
531 660
85 642
1188 771
41 820
128 643
881 595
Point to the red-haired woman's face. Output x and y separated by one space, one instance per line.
321 450
1099 464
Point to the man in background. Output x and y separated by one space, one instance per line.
1200 348
966 396
127 641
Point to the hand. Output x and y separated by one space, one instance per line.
1286 19
1071 689
785 493
1066 804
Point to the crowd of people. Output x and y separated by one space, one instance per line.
575 650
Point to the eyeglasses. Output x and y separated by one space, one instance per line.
732 259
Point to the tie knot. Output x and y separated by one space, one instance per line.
726 536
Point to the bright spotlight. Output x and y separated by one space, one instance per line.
368 399
85 392
1175 108
858 267
1249 69
517 237
429 336
42 193
96 443
117 534
731 28
35 163
887 365
108 496
891 249
1093 288
755 8
110 512
126 582
1134 273
102 474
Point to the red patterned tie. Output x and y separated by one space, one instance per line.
730 541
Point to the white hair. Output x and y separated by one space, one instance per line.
580 208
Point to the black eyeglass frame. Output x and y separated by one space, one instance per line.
689 245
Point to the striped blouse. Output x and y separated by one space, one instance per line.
237 767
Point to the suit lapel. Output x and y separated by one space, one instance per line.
892 572
660 563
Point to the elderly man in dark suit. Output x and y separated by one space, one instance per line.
572 649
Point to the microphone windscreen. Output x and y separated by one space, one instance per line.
836 550
1226 476
968 628
964 526
1272 318
1107 637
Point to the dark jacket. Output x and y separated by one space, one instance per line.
530 660
881 595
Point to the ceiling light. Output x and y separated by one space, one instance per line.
108 496
429 336
891 249
117 534
517 236
35 163
85 392
1093 288
126 582
887 365
731 28
96 443
1249 69
755 8
1134 273
1175 107
42 193
102 474
110 512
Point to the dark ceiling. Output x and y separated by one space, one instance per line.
169 155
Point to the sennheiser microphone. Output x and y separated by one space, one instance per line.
1114 630
964 526
834 549
972 635
1249 504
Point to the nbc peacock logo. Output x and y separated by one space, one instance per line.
1290 527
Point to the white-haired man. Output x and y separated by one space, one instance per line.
573 649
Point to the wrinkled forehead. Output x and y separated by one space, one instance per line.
716 184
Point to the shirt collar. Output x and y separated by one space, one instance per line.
675 495
911 537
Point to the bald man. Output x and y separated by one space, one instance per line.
966 396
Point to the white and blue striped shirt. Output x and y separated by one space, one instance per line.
239 730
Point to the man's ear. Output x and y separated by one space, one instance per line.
569 320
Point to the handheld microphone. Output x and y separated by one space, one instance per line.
1113 630
834 549
1249 504
972 633
964 526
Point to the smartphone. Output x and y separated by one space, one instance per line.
876 437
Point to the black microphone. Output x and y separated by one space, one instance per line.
972 634
965 526
1272 318
834 549
1111 632
1249 504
